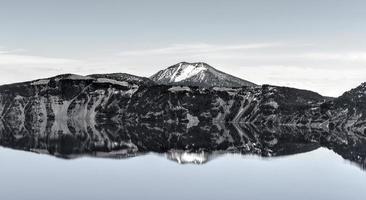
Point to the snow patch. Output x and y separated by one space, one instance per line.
244 107
186 71
111 81
75 77
18 97
179 88
272 142
273 104
41 82
231 91
131 91
192 121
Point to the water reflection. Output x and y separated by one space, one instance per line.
181 143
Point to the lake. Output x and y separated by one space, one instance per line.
317 174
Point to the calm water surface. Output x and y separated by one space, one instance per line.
319 174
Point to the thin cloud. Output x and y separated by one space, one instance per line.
17 57
6 58
3 50
344 56
263 51
294 65
197 48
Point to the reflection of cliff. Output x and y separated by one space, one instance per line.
182 144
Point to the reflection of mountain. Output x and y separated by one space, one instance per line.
185 157
181 143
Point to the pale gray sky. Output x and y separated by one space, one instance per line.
315 44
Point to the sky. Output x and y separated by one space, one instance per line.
318 45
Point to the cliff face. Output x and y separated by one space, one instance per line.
72 115
71 99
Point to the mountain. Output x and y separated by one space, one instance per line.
116 98
71 98
114 112
197 74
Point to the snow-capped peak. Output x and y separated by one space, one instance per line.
186 70
197 74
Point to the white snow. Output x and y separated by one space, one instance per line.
78 77
172 78
111 81
179 88
231 91
186 71
243 108
18 97
75 77
222 89
131 91
41 82
192 121
272 142
273 104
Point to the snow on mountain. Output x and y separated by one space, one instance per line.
197 74
186 71
60 77
122 77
